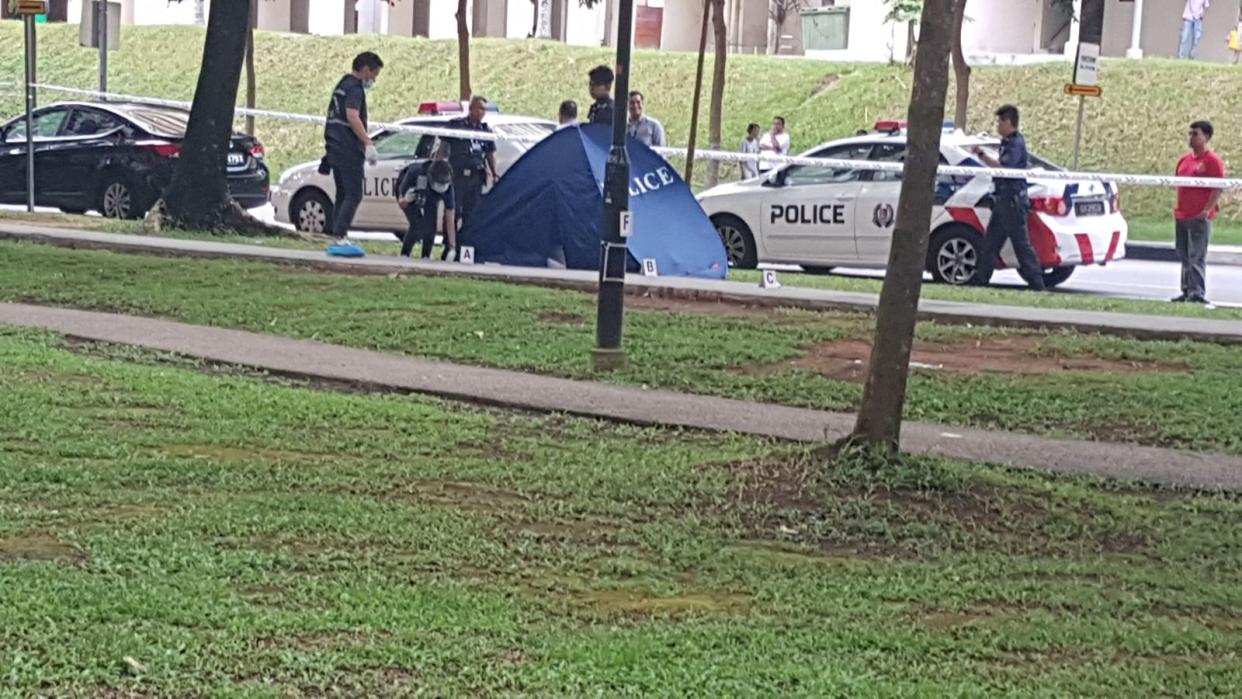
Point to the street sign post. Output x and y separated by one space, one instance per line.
1086 84
28 10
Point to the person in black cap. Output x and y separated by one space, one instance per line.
420 191
473 160
346 142
601 92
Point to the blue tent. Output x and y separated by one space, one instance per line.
553 196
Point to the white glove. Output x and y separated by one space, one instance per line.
372 155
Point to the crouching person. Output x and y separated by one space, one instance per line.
420 190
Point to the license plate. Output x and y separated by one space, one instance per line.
1089 208
236 159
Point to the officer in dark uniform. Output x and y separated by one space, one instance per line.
473 160
601 91
1010 204
346 142
421 189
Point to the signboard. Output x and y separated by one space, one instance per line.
86 27
1087 65
627 224
649 268
28 7
1083 90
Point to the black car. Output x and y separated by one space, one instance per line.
113 157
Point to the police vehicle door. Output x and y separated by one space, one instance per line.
379 210
808 211
877 206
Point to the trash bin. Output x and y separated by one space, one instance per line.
825 28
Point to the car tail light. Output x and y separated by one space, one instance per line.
163 149
1114 204
1053 206
257 151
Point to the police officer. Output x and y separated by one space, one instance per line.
473 160
1010 204
601 91
346 142
422 187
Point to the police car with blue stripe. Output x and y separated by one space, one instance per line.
824 217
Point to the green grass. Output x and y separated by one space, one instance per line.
1184 394
1139 126
1224 232
989 295
166 532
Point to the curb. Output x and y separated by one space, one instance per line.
1166 252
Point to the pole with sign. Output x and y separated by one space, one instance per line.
1086 84
29 9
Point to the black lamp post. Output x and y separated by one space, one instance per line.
610 316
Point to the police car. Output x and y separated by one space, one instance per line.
303 197
821 217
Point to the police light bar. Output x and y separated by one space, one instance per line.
446 107
890 126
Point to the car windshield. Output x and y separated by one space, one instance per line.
158 121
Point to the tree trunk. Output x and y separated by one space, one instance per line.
961 69
463 52
774 30
698 93
879 416
720 34
543 19
198 195
250 84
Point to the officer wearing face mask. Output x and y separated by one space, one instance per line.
420 191
348 145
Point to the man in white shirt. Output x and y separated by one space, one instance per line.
750 146
775 142
1192 28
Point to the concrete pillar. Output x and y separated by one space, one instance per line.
682 24
1136 32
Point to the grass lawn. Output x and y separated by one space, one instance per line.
171 529
1185 394
1224 232
991 295
1139 126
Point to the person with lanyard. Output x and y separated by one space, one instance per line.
421 189
348 146
641 127
601 92
473 161
1010 204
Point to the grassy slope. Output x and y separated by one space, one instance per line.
1139 126
1193 403
236 538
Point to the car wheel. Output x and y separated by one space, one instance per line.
738 242
953 256
1057 276
312 212
119 198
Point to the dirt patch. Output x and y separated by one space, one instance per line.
847 360
944 620
510 657
641 603
237 455
560 318
322 640
37 546
828 82
463 495
715 307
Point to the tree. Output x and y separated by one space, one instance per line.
720 35
198 196
698 93
879 415
250 86
961 69
463 52
907 11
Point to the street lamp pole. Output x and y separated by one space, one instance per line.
610 314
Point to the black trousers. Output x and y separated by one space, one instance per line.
422 228
468 192
348 174
1008 222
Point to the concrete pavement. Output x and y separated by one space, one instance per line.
519 390
1126 324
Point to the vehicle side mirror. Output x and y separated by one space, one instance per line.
776 178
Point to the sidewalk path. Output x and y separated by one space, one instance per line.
621 403
1126 324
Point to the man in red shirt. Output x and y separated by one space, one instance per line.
1196 209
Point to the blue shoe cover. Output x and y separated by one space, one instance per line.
345 250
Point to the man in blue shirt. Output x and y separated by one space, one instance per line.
1010 205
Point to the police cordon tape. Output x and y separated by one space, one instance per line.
722 156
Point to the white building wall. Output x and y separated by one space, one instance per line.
871 37
584 26
1011 26
443 23
326 17
519 18
683 22
274 15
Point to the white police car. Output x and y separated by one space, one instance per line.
303 197
821 218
